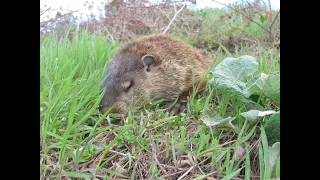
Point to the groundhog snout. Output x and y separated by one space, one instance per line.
103 108
115 109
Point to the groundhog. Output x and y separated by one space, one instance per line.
151 68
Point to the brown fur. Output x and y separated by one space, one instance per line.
170 77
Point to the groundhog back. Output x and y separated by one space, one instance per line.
177 61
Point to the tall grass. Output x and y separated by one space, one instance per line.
71 75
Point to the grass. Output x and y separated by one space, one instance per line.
78 142
71 74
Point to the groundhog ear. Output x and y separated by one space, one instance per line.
148 60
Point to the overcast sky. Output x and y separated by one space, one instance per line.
79 4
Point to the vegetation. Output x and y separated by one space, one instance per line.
231 130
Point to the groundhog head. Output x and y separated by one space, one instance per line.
126 74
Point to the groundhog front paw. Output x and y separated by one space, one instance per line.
177 108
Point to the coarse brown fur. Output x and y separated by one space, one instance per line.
151 68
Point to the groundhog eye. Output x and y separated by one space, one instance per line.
127 85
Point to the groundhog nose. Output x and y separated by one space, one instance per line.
103 108
116 109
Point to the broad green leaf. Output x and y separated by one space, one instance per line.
269 85
272 128
254 115
274 154
217 120
250 104
231 72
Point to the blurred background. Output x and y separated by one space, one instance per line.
203 23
